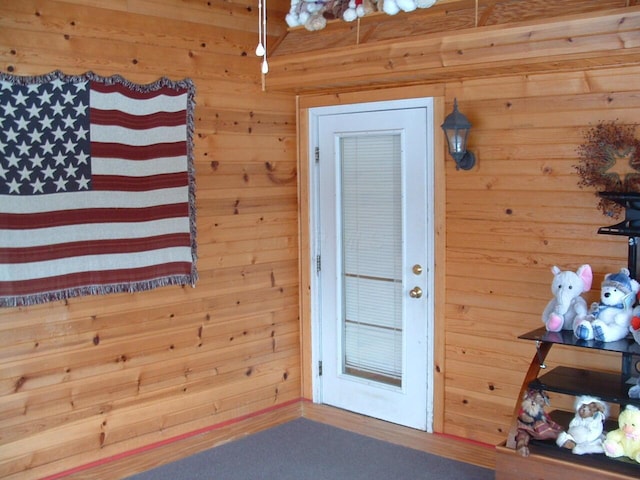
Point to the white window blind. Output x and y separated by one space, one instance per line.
372 256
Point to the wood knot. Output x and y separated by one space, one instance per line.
271 175
19 383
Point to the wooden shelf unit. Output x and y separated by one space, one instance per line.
546 459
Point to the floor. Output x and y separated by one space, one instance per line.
144 459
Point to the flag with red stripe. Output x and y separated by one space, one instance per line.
96 186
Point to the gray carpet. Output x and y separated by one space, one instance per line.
306 450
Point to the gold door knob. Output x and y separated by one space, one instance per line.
415 292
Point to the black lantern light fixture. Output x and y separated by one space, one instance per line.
456 128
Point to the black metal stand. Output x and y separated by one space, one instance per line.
629 227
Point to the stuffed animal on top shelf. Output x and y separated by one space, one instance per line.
391 7
609 320
625 441
533 421
567 303
585 432
357 9
634 326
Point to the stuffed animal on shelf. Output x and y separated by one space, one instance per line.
634 391
625 441
357 9
634 326
307 13
335 9
585 433
533 421
609 320
391 7
567 303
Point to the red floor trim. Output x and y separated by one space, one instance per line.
466 440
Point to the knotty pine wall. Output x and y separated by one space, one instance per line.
95 376
507 221
513 217
92 377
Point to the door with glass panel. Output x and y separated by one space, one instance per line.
376 263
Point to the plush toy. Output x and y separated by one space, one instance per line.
316 21
634 392
391 7
610 319
335 9
625 441
358 9
585 433
533 421
313 14
303 11
634 326
567 304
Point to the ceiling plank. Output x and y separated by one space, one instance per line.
444 16
565 43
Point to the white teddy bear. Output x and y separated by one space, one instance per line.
609 320
357 9
302 10
585 433
391 7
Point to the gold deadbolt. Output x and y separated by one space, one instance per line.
417 269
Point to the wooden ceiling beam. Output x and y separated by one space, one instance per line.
444 16
595 39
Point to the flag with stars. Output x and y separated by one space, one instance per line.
96 186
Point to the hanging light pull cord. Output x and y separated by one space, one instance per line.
260 48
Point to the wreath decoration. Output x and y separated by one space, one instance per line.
605 145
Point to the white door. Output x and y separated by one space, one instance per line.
375 244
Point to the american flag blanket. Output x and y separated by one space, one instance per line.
96 186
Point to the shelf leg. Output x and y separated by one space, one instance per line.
539 354
537 362
632 261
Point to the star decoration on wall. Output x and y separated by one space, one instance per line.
610 161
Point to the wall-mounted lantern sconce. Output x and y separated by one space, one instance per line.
456 128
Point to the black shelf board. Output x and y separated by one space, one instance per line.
549 449
630 226
625 228
574 381
623 465
566 337
630 200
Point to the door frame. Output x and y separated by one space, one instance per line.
308 246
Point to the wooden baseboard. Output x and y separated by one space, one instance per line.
131 463
460 449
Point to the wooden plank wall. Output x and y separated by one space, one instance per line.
92 377
511 218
